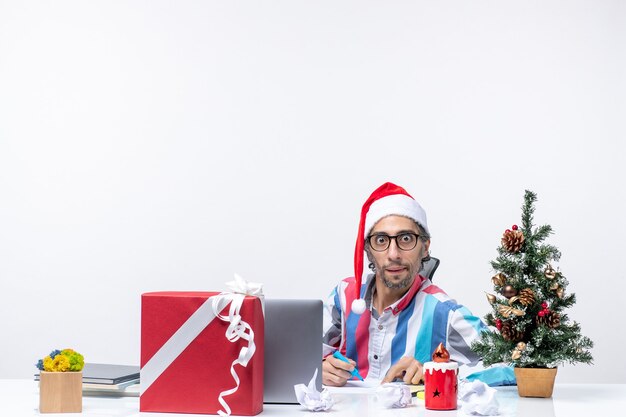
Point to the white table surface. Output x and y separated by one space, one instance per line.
20 397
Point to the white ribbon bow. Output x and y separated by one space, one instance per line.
237 329
241 286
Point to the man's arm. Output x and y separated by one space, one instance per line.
463 329
334 371
331 337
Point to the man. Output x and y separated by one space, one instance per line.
390 325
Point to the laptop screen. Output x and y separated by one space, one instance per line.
293 347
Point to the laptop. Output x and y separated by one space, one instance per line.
293 347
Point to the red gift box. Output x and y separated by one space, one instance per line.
186 357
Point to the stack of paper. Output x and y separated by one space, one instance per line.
109 379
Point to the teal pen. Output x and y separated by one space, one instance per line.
355 372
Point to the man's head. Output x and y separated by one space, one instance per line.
395 247
390 211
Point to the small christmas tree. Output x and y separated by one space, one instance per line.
528 310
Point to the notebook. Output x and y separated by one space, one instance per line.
293 347
104 373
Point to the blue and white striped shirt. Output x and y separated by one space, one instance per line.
413 326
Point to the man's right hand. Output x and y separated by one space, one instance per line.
408 368
336 372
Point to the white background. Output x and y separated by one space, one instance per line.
165 145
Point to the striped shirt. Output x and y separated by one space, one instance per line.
413 326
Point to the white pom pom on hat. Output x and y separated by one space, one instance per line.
358 306
388 199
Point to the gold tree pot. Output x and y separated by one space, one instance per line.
535 382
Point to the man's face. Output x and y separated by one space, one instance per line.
395 267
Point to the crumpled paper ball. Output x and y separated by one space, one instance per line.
478 398
311 398
394 395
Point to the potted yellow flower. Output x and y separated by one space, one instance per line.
60 382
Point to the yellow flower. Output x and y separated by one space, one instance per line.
67 360
47 364
60 363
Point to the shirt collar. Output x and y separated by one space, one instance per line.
399 305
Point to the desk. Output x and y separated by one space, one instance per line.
20 398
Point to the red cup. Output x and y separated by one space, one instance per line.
440 385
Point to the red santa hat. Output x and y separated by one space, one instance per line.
388 199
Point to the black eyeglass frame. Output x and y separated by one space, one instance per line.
369 240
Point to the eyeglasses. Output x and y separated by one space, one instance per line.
404 241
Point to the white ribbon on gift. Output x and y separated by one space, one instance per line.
237 329
197 322
241 286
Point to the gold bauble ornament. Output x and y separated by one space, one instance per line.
554 285
520 346
549 272
516 354
499 279
508 291
559 292
491 298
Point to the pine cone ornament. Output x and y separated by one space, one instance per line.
526 296
552 320
509 332
512 240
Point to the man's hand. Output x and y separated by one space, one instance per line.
407 368
336 372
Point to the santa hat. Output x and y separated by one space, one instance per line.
388 199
